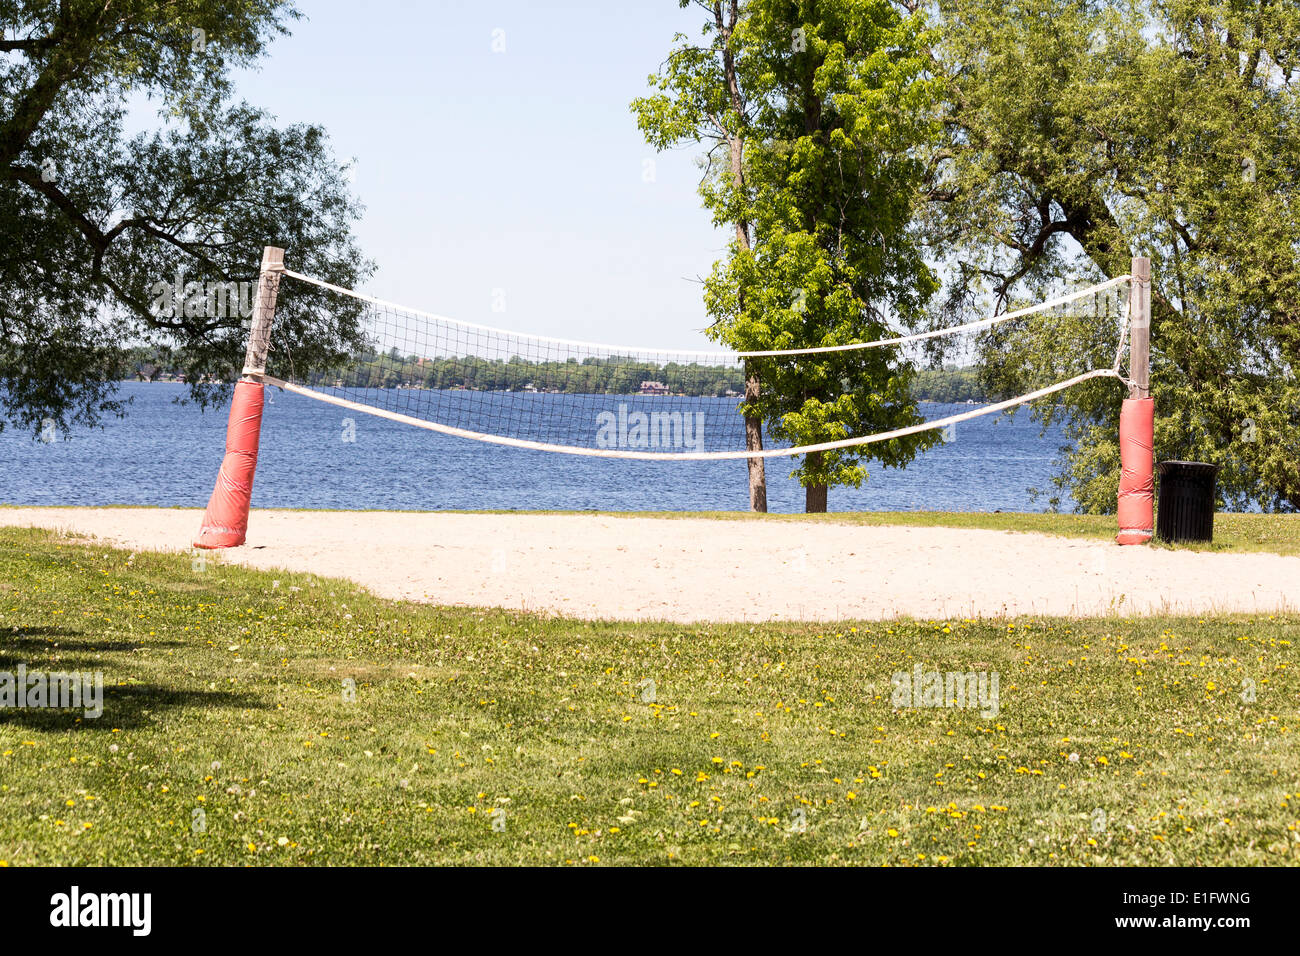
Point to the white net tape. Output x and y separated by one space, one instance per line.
584 398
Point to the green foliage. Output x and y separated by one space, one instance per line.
833 102
1085 132
91 220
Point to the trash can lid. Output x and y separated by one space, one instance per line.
1186 466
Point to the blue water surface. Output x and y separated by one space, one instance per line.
165 453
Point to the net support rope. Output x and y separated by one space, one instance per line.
717 355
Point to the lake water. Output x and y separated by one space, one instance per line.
164 453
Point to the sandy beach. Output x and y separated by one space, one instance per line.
638 568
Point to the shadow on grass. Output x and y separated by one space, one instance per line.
125 708
124 705
62 650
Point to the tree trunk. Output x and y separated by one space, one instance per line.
814 496
754 442
736 147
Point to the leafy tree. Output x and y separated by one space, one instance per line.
1084 132
835 104
93 220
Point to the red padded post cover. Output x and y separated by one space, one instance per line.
225 523
1137 487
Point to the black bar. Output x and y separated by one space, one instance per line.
968 906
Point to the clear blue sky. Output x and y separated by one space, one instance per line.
521 170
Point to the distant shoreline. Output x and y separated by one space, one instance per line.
507 391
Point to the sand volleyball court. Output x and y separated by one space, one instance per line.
591 566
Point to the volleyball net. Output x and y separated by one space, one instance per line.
623 401
635 402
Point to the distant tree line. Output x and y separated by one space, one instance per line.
949 385
617 375
614 375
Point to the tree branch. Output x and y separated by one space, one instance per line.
60 200
26 45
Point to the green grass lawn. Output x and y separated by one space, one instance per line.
487 737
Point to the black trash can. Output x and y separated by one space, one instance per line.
1186 505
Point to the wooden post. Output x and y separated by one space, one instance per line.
225 523
268 290
1140 330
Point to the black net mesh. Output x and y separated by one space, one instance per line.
625 401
